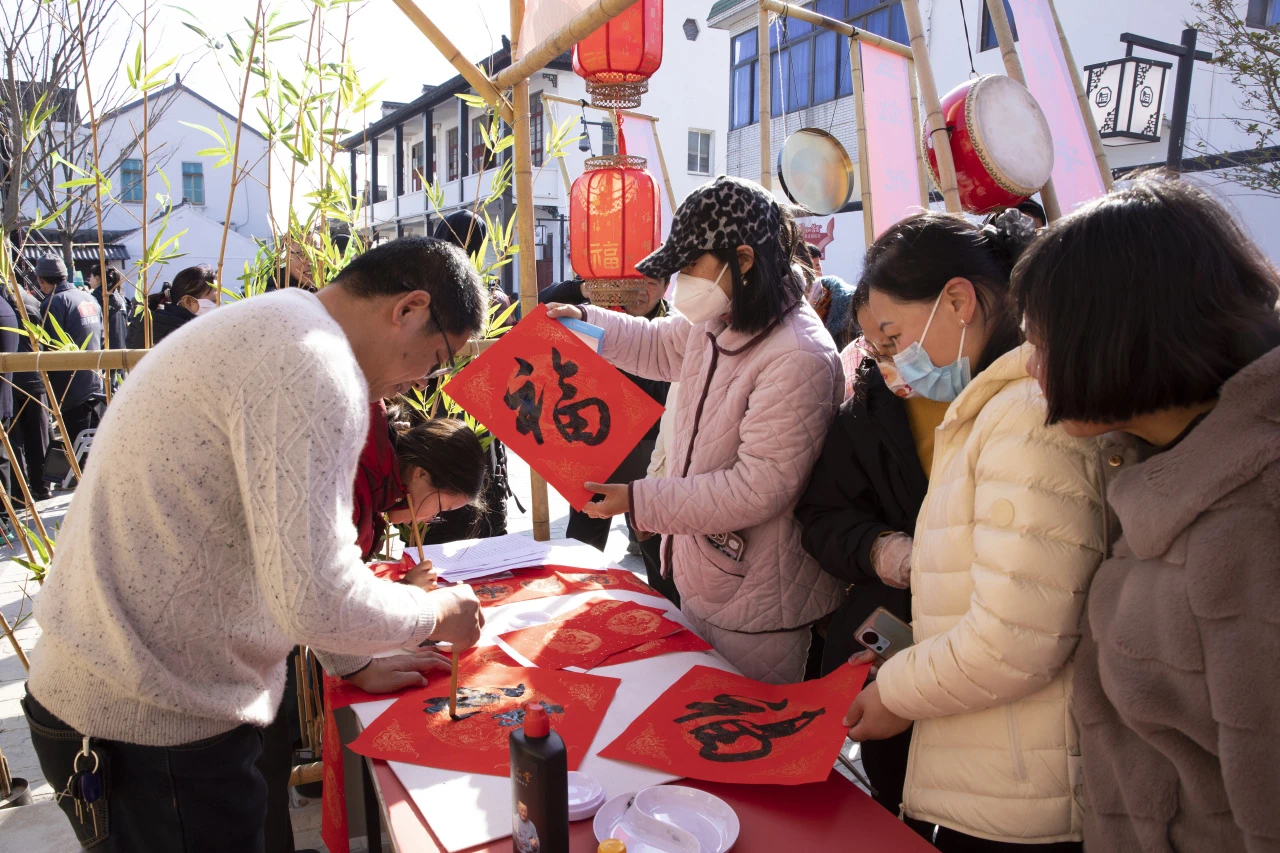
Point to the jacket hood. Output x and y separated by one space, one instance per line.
1240 437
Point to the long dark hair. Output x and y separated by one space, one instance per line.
198 282
449 451
1147 299
915 258
111 280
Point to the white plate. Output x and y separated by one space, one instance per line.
704 816
586 796
641 833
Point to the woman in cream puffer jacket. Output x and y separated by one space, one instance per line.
1006 543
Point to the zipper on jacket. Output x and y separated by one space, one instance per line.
1015 745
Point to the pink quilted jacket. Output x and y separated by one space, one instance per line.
753 414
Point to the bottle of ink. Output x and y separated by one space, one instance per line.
539 786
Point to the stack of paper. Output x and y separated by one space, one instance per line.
470 559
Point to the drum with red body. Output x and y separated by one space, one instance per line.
1000 142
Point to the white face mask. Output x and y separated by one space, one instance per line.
206 305
700 299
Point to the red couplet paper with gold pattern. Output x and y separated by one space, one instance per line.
681 641
551 581
722 727
590 634
417 728
559 406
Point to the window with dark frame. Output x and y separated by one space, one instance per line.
608 140
131 181
988 39
417 155
479 152
811 64
699 152
1262 13
452 143
535 128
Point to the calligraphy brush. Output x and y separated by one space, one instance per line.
453 667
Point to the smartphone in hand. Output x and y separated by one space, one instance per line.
884 633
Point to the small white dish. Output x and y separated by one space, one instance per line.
619 819
704 816
586 796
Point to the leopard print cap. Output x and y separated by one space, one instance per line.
723 214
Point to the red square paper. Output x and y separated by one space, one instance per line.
417 728
558 405
722 727
526 585
681 641
588 635
619 580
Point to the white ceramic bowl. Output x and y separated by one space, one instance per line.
704 816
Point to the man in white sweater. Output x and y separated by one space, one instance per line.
213 533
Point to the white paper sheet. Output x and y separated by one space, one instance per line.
465 810
480 558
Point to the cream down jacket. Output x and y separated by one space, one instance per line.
1006 543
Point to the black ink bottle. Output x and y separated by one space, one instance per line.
539 786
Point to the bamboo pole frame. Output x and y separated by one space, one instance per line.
470 72
864 167
800 13
524 226
933 107
584 24
1082 97
1013 67
921 166
765 61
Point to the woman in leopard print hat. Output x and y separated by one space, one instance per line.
763 382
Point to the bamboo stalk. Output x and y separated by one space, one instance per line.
666 174
1082 97
933 107
800 13
524 215
468 69
304 698
864 167
921 166
765 64
453 684
235 151
13 641
571 102
305 774
583 24
19 529
16 470
1013 67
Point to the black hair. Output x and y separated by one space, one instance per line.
459 302
1032 208
339 234
1147 299
449 451
463 229
814 251
198 282
769 289
915 258
112 277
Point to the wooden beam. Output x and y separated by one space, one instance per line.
933 107
470 72
765 64
1013 67
800 13
584 24
524 229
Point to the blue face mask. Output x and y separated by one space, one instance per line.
942 384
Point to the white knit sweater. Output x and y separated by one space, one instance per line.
213 532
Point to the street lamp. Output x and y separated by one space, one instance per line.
1126 100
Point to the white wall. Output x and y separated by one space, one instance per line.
199 245
170 143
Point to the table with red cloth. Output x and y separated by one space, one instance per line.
814 816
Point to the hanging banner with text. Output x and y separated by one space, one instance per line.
1076 178
892 145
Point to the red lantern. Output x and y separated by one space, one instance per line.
615 221
618 59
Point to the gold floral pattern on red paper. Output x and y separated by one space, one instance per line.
649 744
395 739
574 641
634 622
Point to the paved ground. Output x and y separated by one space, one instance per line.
41 827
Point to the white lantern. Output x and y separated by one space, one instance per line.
1125 96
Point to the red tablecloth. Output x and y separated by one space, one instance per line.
829 815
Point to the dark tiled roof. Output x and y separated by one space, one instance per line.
62 100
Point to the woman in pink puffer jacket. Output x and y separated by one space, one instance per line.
762 380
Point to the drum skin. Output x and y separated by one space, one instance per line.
985 185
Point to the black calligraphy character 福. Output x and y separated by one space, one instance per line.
719 739
569 421
525 404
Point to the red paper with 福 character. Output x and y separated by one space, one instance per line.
721 727
417 729
558 405
587 636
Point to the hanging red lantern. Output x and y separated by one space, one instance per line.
615 221
618 59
